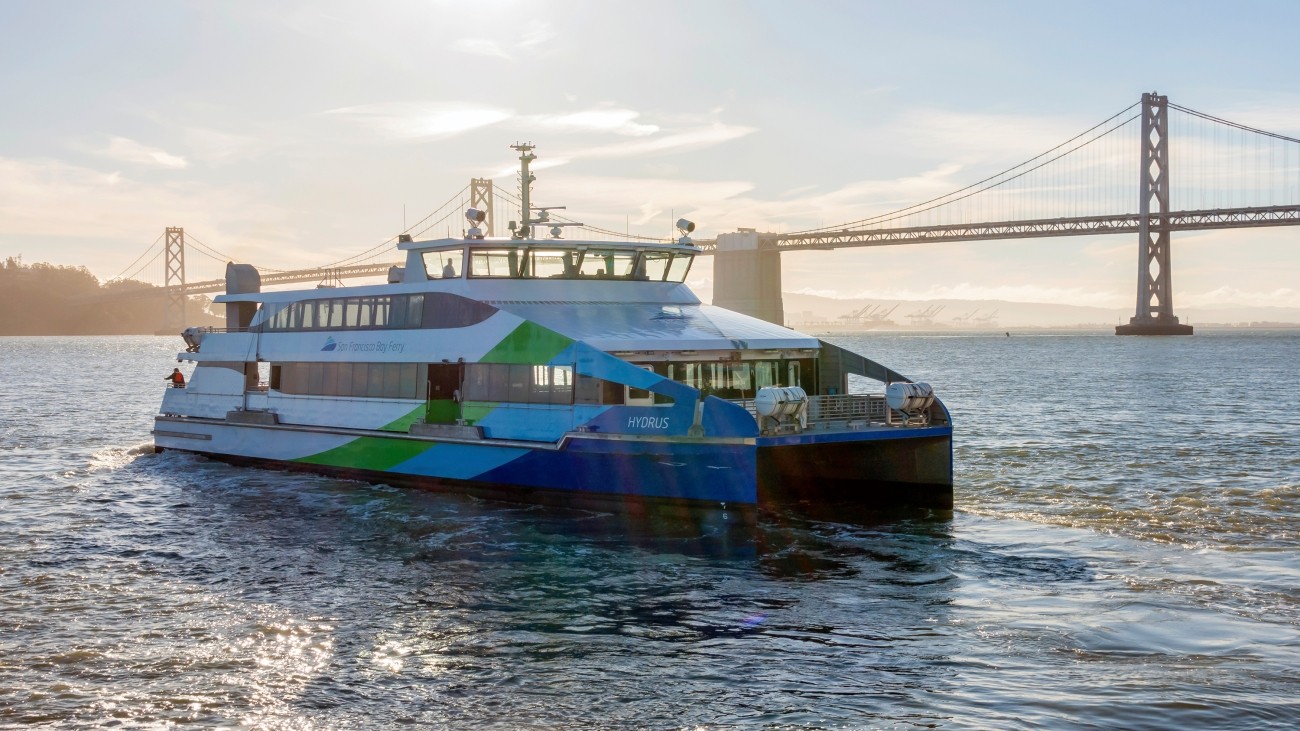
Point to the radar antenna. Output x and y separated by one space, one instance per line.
524 229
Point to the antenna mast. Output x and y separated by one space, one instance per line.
525 188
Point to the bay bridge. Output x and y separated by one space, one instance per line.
1152 169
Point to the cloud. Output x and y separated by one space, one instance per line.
537 35
690 139
427 120
482 47
102 220
1228 295
532 40
618 121
130 151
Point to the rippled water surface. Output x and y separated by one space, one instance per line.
1123 555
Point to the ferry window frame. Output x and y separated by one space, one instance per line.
498 263
521 262
364 312
391 381
519 384
670 275
442 258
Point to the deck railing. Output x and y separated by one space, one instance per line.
835 412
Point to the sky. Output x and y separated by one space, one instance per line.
291 134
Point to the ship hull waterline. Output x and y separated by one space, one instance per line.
908 468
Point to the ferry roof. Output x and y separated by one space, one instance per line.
618 326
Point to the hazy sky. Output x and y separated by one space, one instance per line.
291 134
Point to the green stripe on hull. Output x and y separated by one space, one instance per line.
404 423
369 453
528 343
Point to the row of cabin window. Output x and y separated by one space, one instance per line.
519 383
513 263
735 379
362 380
493 382
389 312
527 383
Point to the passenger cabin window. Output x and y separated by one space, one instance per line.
736 379
519 383
443 264
387 312
354 380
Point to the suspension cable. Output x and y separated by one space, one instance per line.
138 258
894 215
1230 123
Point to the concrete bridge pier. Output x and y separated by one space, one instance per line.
747 275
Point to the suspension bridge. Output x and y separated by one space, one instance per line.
1114 178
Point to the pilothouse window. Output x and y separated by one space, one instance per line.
443 264
548 262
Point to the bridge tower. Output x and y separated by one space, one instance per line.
174 281
1155 291
480 197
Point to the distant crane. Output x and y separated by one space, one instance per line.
870 316
926 316
965 319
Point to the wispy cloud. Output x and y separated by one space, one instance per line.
1229 295
413 120
529 42
537 35
127 150
690 139
482 47
618 121
117 213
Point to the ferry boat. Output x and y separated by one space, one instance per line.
551 370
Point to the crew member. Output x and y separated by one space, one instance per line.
176 377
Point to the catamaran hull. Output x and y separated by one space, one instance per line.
594 470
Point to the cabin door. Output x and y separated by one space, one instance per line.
443 399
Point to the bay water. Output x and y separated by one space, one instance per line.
1124 553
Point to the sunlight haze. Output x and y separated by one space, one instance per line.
294 134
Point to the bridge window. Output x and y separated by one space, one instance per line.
494 263
612 264
446 264
574 263
680 266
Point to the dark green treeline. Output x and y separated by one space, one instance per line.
45 299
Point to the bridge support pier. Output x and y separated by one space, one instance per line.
1155 291
747 276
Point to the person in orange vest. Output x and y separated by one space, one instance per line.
177 378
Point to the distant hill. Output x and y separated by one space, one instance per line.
44 299
814 312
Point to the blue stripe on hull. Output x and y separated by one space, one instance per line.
714 473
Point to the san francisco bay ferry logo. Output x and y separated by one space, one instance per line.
330 344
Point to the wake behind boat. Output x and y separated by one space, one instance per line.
551 370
